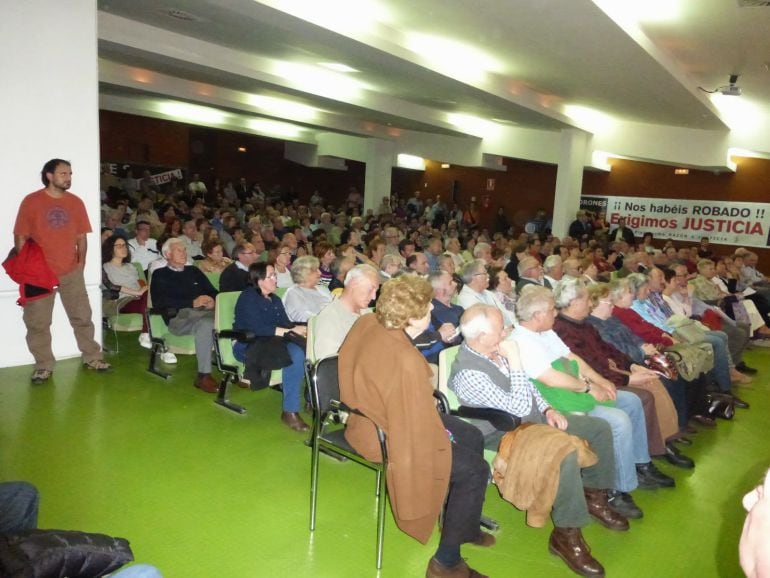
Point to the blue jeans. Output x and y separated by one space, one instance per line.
629 437
18 507
292 376
138 571
721 371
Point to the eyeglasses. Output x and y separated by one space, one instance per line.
117 245
272 277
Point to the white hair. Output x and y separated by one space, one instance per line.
475 321
551 262
532 299
566 291
359 272
166 249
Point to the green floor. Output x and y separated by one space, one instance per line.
204 493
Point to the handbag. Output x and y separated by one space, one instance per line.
663 364
720 405
692 359
686 329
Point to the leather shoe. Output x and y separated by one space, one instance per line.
485 540
705 421
682 439
624 504
459 570
737 401
568 544
294 421
596 500
207 383
676 458
743 368
651 477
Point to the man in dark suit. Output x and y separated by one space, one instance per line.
235 277
622 233
581 228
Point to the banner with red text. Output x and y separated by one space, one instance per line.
725 222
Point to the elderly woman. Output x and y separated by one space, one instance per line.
215 261
306 297
261 312
501 287
119 274
723 371
282 263
689 397
571 300
389 266
452 474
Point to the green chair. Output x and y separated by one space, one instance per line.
224 337
163 340
213 279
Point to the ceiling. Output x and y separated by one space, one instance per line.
545 65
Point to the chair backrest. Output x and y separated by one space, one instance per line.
325 384
213 279
224 318
281 291
445 359
140 271
309 350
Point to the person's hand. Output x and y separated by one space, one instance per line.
599 393
639 378
555 419
299 330
447 332
143 289
649 349
203 302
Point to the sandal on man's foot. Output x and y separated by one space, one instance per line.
97 365
41 376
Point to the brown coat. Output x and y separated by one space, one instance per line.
385 377
535 453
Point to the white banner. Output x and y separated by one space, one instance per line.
728 223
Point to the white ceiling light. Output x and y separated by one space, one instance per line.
274 127
192 112
453 58
588 118
644 12
345 16
283 107
338 67
320 81
410 162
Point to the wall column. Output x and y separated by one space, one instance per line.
569 179
379 167
49 108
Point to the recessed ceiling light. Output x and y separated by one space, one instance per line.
241 149
338 67
504 121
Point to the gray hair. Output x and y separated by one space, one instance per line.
533 299
448 240
481 248
359 272
524 266
618 288
567 291
635 281
170 243
302 267
436 278
475 321
471 269
551 262
389 258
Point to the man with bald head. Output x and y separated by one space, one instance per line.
487 373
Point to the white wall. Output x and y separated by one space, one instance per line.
48 108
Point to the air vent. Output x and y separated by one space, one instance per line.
753 3
181 15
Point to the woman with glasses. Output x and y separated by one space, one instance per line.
260 311
282 264
119 274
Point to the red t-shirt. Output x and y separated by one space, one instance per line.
54 224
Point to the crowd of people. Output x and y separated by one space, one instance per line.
566 336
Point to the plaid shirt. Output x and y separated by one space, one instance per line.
477 389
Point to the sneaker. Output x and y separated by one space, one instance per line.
760 342
41 376
144 340
97 365
168 357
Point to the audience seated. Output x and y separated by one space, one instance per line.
185 298
215 261
306 297
144 249
235 277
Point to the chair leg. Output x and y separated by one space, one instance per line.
377 483
221 398
382 498
313 482
154 354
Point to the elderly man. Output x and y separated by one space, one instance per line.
487 374
453 249
185 298
332 324
530 273
444 290
418 263
622 233
475 290
189 237
569 384
553 270
433 253
483 251
235 277
581 228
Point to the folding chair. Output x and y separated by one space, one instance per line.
224 334
327 434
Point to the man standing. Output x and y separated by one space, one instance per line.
56 220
